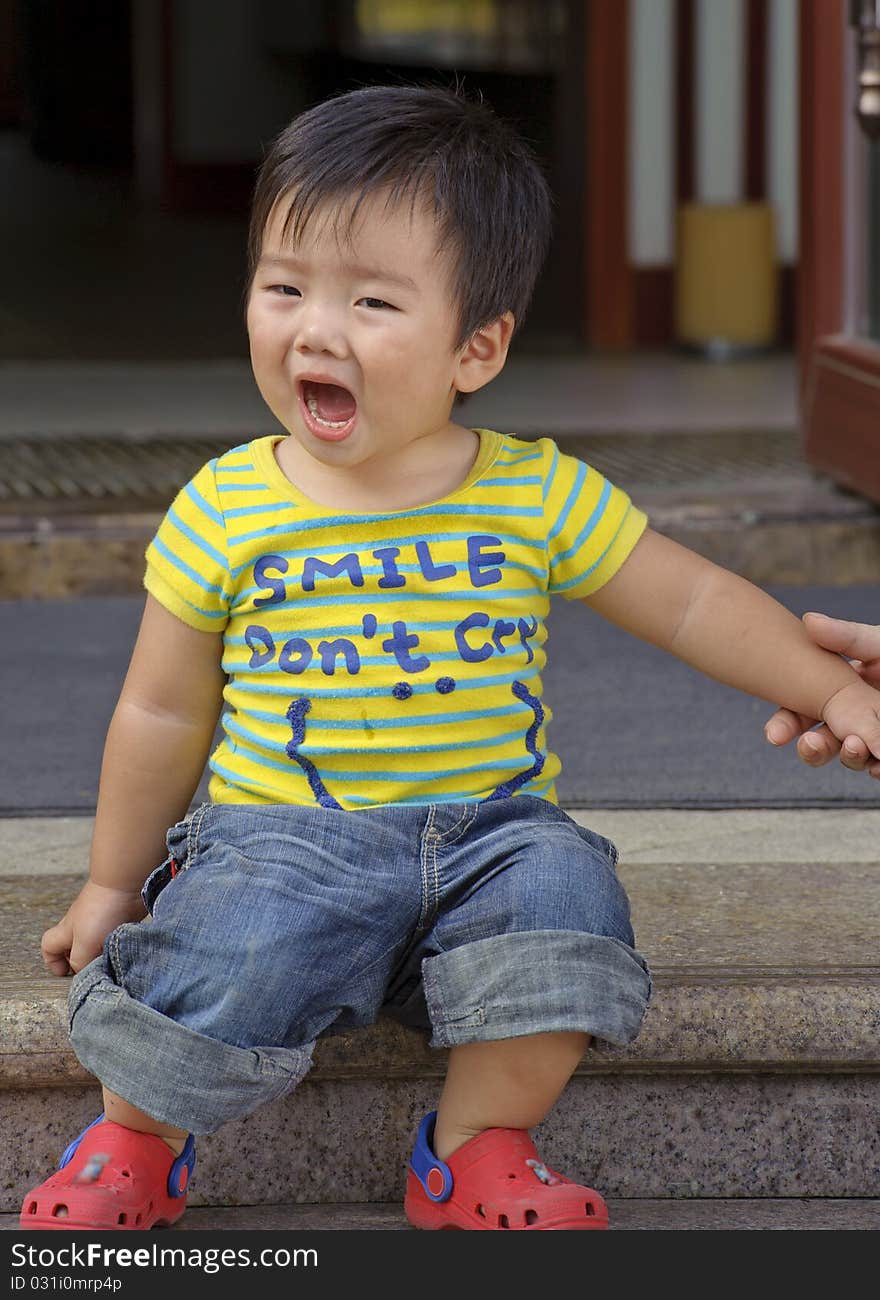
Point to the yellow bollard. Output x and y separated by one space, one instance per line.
727 280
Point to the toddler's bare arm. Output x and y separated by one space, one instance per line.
734 632
156 748
157 745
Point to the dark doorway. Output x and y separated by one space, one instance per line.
96 268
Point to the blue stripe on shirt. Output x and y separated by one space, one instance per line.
559 587
191 574
192 536
569 502
588 527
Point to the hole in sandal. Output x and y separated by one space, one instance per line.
531 1216
58 1211
126 1173
502 1221
590 1209
479 1210
32 1208
121 1219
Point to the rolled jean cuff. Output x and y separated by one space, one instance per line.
534 982
176 1075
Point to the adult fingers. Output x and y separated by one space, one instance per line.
855 640
818 747
855 754
785 725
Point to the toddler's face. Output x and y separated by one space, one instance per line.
374 317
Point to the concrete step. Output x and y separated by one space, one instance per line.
755 1075
771 1214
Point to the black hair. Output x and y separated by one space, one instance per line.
491 202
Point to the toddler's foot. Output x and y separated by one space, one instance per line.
116 1179
495 1181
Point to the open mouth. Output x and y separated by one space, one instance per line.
328 409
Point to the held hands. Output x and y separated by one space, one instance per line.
79 935
851 726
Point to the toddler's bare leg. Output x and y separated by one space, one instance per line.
121 1112
511 1083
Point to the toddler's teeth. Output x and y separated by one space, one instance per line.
312 404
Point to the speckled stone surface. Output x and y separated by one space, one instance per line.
809 538
45 846
769 1021
733 838
629 1136
686 914
736 984
60 845
657 1215
755 1075
97 556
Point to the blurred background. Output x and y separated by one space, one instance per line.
705 333
712 270
132 128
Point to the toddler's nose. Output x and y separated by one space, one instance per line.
318 329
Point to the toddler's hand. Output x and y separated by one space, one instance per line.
853 716
816 747
79 935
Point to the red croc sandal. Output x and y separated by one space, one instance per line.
495 1181
112 1179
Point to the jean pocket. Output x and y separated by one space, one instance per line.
156 882
599 842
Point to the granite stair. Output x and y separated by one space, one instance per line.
749 1100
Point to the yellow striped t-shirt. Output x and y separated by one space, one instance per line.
387 657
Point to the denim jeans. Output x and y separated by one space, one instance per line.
272 925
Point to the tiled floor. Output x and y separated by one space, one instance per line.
641 393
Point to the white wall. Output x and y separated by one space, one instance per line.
782 123
651 130
719 100
719 108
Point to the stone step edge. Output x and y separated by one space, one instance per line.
633 1213
51 559
698 1021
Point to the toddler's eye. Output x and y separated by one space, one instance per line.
379 301
285 290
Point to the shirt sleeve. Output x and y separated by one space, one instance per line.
592 526
187 560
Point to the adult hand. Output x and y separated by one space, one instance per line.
861 643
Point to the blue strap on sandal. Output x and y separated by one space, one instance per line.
433 1174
